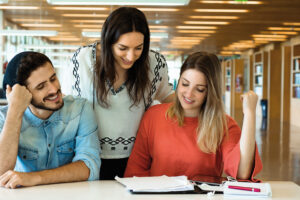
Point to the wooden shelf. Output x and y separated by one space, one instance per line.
296 73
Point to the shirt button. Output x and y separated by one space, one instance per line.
49 145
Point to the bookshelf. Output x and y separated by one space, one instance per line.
228 76
258 78
296 77
295 85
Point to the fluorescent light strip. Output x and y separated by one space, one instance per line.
49 46
80 8
32 20
88 26
291 23
121 2
41 25
27 33
85 15
158 26
269 36
73 39
196 27
98 34
88 21
19 7
206 22
159 9
195 31
233 2
214 17
283 29
222 10
280 32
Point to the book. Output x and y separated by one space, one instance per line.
156 184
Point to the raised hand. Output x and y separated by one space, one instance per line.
249 102
18 97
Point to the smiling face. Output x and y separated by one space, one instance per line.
45 89
127 50
192 91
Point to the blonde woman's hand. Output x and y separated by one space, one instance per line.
249 102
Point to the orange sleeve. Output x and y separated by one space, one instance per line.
139 162
230 148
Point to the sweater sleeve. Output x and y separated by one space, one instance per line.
230 148
139 162
161 76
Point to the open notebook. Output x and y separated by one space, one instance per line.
156 184
237 190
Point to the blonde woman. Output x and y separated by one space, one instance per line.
193 136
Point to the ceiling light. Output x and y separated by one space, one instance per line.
270 39
205 22
222 10
27 33
88 21
80 8
283 29
195 31
269 36
85 15
88 26
196 27
71 39
233 2
214 17
48 46
291 23
280 32
121 2
32 20
158 26
19 7
159 9
98 34
41 25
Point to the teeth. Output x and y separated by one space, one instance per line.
188 100
52 98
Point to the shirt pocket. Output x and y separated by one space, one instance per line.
65 152
29 158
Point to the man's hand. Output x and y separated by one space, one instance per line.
18 97
12 179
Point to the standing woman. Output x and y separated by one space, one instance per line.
121 77
193 136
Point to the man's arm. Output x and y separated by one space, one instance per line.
76 171
18 100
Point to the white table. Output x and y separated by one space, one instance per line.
111 190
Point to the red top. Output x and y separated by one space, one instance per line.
164 148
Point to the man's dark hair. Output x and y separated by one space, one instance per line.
21 66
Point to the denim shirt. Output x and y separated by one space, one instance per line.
68 135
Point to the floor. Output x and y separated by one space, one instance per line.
279 146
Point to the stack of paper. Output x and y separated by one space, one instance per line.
239 189
157 184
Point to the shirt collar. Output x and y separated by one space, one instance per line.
35 121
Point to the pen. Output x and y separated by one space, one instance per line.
244 188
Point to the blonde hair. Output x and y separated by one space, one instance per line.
211 118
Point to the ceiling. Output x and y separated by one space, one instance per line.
188 29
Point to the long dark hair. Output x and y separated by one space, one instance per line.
211 117
122 20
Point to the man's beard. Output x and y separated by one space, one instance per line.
43 107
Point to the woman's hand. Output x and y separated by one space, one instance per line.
249 102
